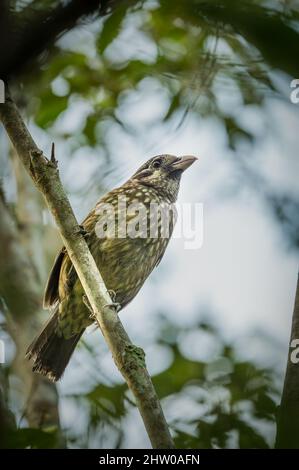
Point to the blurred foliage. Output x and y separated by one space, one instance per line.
231 399
29 438
190 49
233 395
193 53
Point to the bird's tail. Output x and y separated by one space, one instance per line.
51 352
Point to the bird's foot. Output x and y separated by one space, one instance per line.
114 305
88 306
84 232
112 294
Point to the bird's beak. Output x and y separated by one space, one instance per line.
182 163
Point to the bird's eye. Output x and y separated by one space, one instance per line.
157 163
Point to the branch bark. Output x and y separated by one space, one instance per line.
288 412
128 358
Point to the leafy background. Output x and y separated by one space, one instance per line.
160 76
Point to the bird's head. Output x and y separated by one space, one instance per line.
163 173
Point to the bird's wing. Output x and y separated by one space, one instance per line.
51 295
61 279
63 270
172 223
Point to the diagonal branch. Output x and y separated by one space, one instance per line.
128 358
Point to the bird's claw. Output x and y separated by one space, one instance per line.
114 305
112 294
88 306
84 232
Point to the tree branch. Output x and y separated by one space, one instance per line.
128 358
288 412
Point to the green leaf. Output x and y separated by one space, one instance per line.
50 108
32 438
89 129
174 105
235 132
111 28
115 395
181 371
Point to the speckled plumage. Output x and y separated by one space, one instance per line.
124 263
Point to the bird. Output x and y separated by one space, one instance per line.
125 260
